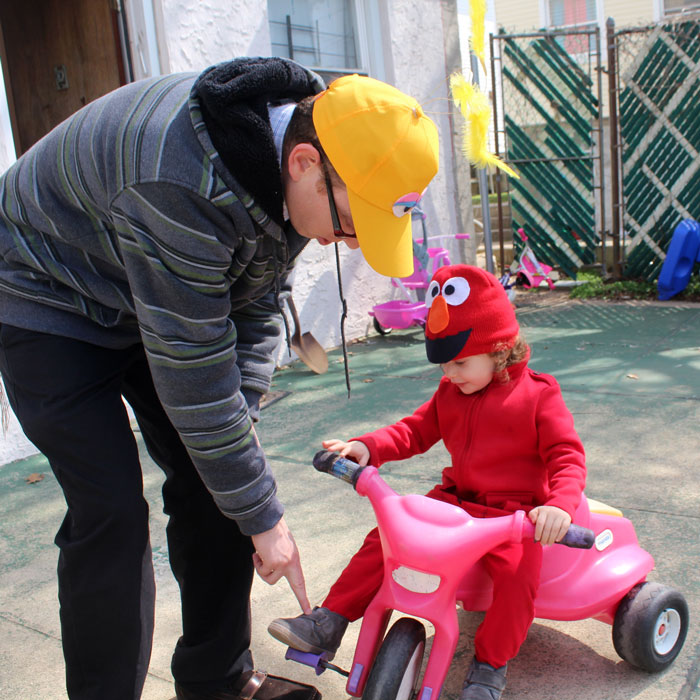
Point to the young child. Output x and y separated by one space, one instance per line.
513 446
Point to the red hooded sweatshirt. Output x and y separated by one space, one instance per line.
513 445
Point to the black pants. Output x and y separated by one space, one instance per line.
67 396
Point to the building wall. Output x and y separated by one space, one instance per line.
209 31
630 14
196 35
518 16
13 444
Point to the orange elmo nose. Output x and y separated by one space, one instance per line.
438 316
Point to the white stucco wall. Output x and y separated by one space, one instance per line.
209 31
13 444
200 34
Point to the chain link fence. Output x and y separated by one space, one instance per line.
547 122
658 140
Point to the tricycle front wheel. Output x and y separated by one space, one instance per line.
394 674
650 626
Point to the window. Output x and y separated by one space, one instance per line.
574 14
320 34
140 30
675 7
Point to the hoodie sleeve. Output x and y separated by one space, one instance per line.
560 448
408 437
177 251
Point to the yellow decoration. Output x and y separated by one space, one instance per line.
477 9
475 109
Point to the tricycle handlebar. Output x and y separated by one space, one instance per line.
335 465
578 537
332 463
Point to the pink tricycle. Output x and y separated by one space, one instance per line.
410 311
526 270
431 562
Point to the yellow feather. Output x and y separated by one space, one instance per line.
477 9
475 109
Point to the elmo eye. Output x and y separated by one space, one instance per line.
433 291
456 291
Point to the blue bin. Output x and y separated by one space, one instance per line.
683 253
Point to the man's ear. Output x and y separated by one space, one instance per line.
302 157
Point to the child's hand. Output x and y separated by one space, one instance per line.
551 523
355 450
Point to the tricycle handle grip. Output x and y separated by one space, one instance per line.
578 537
339 467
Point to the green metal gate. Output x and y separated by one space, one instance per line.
548 124
550 93
659 118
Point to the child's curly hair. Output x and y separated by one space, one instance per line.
507 356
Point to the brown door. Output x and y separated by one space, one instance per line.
57 56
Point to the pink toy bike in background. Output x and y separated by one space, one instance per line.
431 562
526 270
411 311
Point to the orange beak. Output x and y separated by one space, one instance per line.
438 316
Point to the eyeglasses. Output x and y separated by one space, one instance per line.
337 229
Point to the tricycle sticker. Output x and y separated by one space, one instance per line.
603 540
416 581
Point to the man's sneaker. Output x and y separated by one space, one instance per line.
319 632
483 682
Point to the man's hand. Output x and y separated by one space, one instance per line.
551 523
276 555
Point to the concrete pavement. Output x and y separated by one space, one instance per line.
631 376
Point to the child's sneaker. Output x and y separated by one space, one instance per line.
483 682
319 632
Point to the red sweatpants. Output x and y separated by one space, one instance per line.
514 568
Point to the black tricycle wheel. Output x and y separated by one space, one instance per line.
650 626
394 674
379 328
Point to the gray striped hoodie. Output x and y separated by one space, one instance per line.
124 225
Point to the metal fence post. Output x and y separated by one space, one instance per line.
614 147
601 148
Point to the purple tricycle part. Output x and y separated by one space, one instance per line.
302 657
